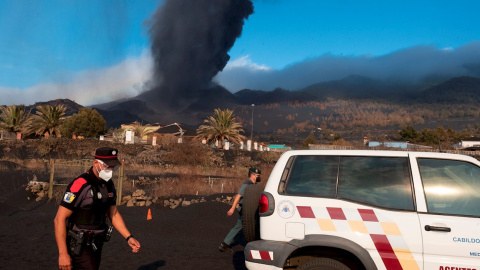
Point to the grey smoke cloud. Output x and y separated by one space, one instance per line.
124 80
190 40
410 65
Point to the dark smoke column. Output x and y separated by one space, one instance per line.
190 40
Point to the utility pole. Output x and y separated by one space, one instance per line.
251 134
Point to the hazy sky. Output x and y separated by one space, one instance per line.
94 51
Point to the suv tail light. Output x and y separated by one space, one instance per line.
263 204
266 204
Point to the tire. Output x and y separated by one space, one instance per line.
250 218
323 264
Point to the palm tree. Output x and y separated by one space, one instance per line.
141 131
15 119
221 126
48 119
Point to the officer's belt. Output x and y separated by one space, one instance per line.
89 236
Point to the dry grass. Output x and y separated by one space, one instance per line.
168 170
180 180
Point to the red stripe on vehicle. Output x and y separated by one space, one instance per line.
336 213
368 215
305 212
386 252
265 255
251 256
77 185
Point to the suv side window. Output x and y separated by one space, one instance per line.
313 176
451 186
378 181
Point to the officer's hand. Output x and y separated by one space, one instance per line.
134 244
64 262
231 211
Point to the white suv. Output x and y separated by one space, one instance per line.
364 209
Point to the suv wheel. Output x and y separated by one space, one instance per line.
251 228
323 264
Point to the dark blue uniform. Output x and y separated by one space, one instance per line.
90 199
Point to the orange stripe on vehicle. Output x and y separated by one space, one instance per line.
390 228
381 242
358 226
326 225
386 251
406 259
392 258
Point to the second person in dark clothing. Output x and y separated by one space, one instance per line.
253 178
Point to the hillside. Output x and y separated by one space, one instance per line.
258 97
152 107
352 107
465 90
360 87
72 106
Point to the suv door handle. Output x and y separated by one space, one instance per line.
435 228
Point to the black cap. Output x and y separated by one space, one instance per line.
108 155
255 170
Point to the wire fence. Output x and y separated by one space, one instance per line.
62 173
166 185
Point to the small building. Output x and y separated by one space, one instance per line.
469 144
131 129
176 130
279 147
10 135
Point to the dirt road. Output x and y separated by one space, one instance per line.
183 238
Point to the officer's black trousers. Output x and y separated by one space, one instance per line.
88 259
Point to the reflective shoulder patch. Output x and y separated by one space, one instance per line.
68 197
77 184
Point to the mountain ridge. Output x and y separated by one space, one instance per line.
356 89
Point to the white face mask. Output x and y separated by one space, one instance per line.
104 174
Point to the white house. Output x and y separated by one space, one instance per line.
469 143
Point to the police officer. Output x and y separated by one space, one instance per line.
80 224
253 177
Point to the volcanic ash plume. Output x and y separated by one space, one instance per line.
190 40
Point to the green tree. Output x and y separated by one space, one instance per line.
221 126
447 137
309 140
15 119
409 133
48 119
429 137
87 123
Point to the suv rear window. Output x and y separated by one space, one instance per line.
378 181
314 175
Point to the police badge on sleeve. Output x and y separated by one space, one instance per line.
68 197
